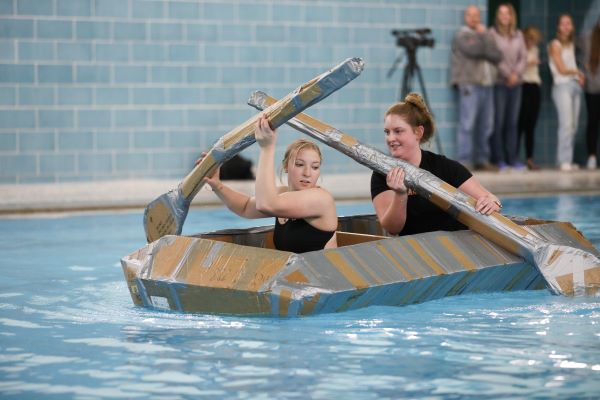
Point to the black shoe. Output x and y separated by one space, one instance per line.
531 165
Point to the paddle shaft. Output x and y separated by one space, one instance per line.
495 227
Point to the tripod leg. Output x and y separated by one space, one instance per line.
406 82
420 76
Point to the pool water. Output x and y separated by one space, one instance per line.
68 328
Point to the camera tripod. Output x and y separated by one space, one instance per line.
411 69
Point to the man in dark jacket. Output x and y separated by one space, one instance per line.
474 56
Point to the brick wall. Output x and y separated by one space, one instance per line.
112 89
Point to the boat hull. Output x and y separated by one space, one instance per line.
239 272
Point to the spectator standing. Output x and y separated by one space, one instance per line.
531 94
591 65
507 91
474 54
566 90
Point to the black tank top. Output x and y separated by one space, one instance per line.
298 236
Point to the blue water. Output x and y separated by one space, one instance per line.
68 328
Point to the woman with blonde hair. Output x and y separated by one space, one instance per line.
408 125
305 214
566 90
507 91
591 63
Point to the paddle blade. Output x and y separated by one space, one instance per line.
569 271
165 215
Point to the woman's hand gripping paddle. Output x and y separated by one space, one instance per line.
166 214
567 270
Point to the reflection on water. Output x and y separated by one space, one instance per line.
68 329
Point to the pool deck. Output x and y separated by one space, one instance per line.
135 194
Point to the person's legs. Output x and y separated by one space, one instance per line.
593 123
497 139
564 109
524 114
467 113
513 103
535 100
576 93
484 125
528 115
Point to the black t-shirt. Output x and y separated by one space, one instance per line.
421 214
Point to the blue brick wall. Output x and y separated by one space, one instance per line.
112 89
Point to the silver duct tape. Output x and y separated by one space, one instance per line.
153 249
554 262
177 204
223 154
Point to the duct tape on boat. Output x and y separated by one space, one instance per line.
212 254
160 302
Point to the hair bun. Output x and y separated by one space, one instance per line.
416 100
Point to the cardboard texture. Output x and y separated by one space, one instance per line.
238 271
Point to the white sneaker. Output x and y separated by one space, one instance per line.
566 167
592 163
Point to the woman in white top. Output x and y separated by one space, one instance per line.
566 90
531 93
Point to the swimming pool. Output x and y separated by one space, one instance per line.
68 328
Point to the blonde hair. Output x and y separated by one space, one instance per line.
513 19
291 153
415 112
532 34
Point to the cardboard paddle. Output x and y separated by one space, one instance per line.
166 214
567 270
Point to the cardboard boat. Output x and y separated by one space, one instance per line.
239 271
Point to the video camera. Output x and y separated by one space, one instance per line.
412 38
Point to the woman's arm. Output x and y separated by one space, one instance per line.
522 57
240 203
558 61
486 201
308 203
390 206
